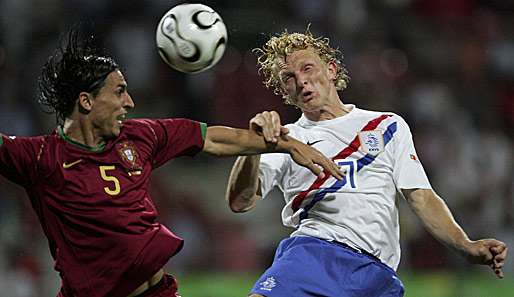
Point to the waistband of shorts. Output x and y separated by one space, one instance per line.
355 250
364 253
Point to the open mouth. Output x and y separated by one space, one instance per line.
307 95
121 118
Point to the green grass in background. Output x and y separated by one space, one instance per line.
432 284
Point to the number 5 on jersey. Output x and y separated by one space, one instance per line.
110 178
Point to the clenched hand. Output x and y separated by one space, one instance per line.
268 125
489 252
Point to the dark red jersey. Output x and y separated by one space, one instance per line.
94 203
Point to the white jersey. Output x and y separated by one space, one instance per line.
377 153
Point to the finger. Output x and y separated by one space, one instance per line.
340 173
284 130
500 258
315 169
498 265
275 118
499 272
268 129
330 167
256 128
499 248
256 123
335 171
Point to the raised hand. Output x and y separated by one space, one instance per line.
489 252
268 125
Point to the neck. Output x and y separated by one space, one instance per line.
82 132
328 112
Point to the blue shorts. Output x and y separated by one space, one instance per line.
306 266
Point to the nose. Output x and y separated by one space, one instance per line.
301 80
127 101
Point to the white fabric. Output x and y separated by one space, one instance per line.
363 213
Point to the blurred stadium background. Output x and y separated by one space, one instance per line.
446 66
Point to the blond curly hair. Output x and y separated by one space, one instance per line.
278 47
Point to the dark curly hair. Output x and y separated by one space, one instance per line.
78 65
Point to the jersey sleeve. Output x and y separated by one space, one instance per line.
18 158
175 138
408 170
271 171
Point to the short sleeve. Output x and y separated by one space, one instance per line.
271 171
18 158
408 170
175 138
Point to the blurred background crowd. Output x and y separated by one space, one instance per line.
446 66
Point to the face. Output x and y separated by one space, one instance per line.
110 106
308 81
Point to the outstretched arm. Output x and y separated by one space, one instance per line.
225 141
439 221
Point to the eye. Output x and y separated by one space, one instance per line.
307 68
120 91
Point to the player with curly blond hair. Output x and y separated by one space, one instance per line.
279 47
346 238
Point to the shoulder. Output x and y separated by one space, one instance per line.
386 117
137 124
373 114
158 128
139 129
400 121
153 123
143 126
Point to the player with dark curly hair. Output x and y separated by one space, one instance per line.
88 181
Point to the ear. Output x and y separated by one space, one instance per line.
332 70
85 102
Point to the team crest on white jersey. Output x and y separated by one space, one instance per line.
268 284
372 142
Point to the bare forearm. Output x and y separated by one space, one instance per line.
243 184
438 219
225 141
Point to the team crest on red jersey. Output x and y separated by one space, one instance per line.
128 153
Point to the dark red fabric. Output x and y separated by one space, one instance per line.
97 214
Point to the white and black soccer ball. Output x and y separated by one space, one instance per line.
191 37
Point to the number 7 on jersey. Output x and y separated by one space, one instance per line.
349 168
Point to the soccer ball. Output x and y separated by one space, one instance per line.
191 37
